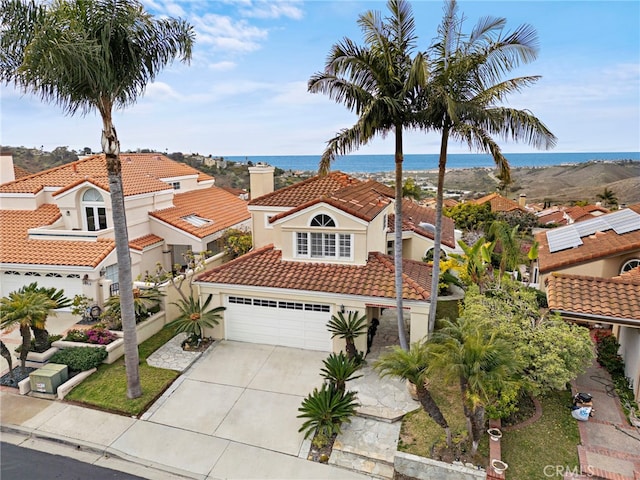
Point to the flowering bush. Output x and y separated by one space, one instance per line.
100 336
96 335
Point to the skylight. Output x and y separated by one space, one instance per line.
197 221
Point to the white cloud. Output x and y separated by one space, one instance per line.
222 66
223 33
273 9
159 91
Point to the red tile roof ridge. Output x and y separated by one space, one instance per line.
242 258
624 278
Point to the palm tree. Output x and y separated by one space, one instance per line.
195 317
88 55
462 100
338 370
348 328
379 82
145 300
412 365
6 354
326 410
607 197
40 334
506 238
467 352
22 310
476 261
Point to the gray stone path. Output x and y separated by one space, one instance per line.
171 356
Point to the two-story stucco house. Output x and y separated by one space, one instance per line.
322 246
56 226
590 270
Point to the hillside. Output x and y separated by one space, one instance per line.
558 183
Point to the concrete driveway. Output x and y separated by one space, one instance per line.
244 393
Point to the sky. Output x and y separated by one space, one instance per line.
244 93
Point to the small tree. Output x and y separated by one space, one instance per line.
412 365
194 318
38 328
608 197
326 410
348 328
145 301
338 370
237 242
6 354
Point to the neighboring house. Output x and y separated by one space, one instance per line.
500 204
613 301
321 246
568 215
606 246
56 226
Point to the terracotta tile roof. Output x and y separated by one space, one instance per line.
556 217
141 173
222 208
363 200
16 247
498 203
598 245
306 191
606 297
20 172
414 214
264 267
141 243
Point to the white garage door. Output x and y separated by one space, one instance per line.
278 322
11 281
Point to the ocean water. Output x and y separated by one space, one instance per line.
385 163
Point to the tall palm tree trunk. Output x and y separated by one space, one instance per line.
397 251
429 405
41 337
25 331
437 238
111 147
6 354
477 428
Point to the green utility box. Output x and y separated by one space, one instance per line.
48 378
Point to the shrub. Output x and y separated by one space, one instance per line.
100 336
81 358
76 336
326 410
608 357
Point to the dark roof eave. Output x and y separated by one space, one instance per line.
588 317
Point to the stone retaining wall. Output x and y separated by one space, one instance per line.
426 469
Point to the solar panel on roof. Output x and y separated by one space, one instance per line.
563 238
589 227
624 221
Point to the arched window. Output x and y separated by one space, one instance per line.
323 244
95 214
428 255
630 265
322 220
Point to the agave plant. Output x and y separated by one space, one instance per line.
195 317
348 328
326 410
338 370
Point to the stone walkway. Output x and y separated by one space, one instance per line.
368 444
171 356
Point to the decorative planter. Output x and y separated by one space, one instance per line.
498 465
36 360
495 434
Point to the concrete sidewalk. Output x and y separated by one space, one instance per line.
610 446
231 415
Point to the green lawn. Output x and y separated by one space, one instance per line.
106 389
420 435
552 440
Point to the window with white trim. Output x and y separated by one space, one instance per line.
630 265
323 244
95 213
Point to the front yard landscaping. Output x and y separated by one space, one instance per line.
552 440
420 435
106 389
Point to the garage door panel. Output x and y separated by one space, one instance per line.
291 327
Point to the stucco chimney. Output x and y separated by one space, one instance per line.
522 200
7 174
261 179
